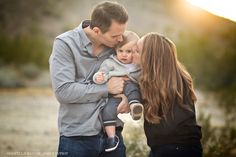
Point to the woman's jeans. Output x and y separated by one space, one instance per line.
89 146
176 151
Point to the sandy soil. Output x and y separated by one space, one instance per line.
28 119
28 123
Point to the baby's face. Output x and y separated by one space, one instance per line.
124 53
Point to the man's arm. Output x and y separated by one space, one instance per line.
65 86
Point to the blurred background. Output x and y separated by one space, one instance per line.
206 45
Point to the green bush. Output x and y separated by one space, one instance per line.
10 78
219 141
24 49
210 59
13 77
30 71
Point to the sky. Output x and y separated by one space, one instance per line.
223 8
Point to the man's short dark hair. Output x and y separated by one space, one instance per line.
105 12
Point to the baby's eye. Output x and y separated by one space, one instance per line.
120 50
129 51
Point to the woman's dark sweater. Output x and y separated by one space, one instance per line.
182 129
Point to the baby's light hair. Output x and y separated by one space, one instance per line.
128 36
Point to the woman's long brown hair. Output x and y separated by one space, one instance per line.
164 81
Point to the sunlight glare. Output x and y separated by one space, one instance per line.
224 8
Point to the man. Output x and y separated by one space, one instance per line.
76 56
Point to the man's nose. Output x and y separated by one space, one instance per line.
120 38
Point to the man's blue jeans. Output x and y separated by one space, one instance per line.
89 146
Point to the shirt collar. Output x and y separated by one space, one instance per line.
84 39
86 42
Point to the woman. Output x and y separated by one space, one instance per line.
168 98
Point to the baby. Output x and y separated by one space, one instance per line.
120 65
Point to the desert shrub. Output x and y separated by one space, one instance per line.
24 49
9 78
218 141
30 71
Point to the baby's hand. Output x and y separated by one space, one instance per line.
100 77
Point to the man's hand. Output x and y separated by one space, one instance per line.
123 107
116 84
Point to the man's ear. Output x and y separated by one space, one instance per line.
96 30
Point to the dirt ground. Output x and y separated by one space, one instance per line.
28 123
